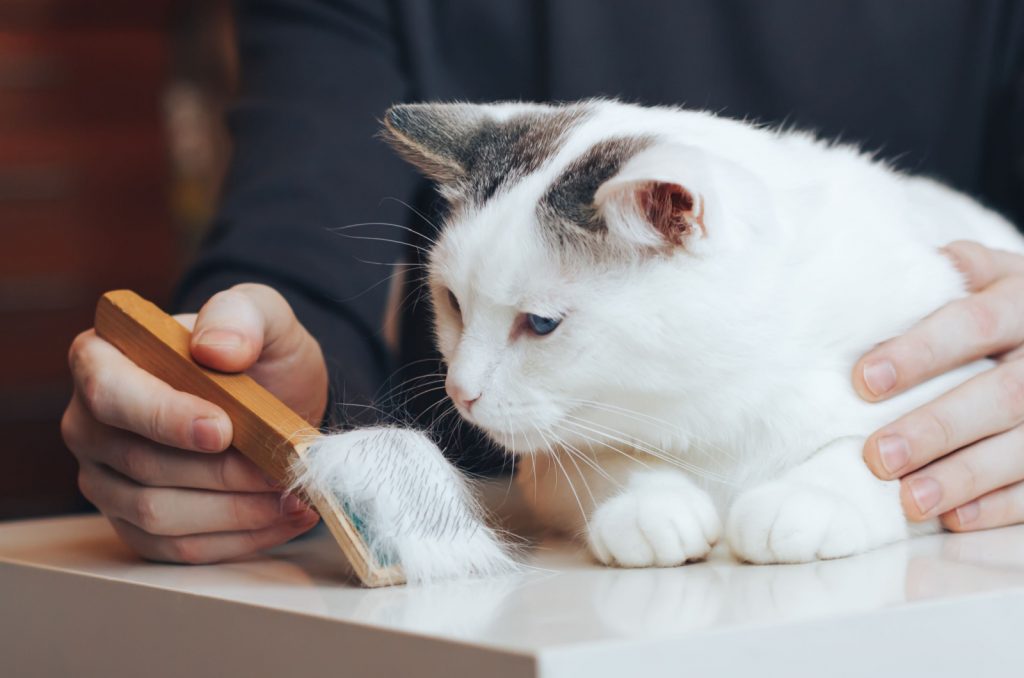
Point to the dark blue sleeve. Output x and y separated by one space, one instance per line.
316 76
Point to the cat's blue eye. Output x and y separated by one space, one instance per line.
541 325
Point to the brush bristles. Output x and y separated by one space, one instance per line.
411 505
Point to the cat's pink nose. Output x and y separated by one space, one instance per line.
460 395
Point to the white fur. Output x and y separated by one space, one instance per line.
410 504
720 373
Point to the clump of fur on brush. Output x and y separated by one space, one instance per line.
410 504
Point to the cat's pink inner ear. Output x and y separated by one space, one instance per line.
673 211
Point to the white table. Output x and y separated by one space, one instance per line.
75 602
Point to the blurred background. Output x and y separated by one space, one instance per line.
111 157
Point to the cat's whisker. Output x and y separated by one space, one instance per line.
412 394
375 285
417 213
372 238
636 415
572 488
640 416
579 471
592 463
603 443
395 390
660 455
553 452
633 413
364 224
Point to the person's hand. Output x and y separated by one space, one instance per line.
961 456
156 461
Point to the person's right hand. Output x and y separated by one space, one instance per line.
155 461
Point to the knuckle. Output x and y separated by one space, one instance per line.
1013 506
941 429
154 423
922 351
85 485
94 392
241 513
985 320
164 425
220 470
252 291
967 476
1011 388
137 463
77 349
187 550
145 511
69 429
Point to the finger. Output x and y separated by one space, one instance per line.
197 549
964 475
118 393
981 266
1004 506
238 326
156 465
983 324
252 328
987 404
177 511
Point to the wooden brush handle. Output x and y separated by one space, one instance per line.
265 429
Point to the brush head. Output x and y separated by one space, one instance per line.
411 506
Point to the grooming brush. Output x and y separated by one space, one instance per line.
397 508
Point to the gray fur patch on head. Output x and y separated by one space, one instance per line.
567 211
472 154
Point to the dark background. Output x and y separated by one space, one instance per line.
111 153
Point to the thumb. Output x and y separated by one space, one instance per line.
243 325
251 328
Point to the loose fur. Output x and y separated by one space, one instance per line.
410 504
716 282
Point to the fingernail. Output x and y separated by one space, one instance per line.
968 513
880 377
293 506
208 434
225 339
926 493
893 452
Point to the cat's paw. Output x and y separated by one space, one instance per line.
653 528
788 522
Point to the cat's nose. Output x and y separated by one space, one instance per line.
460 395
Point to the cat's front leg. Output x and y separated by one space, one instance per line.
830 506
631 513
660 518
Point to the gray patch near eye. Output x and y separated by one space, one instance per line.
567 208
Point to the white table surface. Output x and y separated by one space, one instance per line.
75 602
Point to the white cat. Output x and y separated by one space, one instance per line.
658 310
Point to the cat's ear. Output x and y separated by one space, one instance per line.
659 199
436 138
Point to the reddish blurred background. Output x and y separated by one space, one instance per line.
111 155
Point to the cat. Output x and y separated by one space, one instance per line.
657 312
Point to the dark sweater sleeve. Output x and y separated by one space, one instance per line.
316 76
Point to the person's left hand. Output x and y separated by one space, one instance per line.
961 456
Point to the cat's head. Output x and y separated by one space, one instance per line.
568 279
